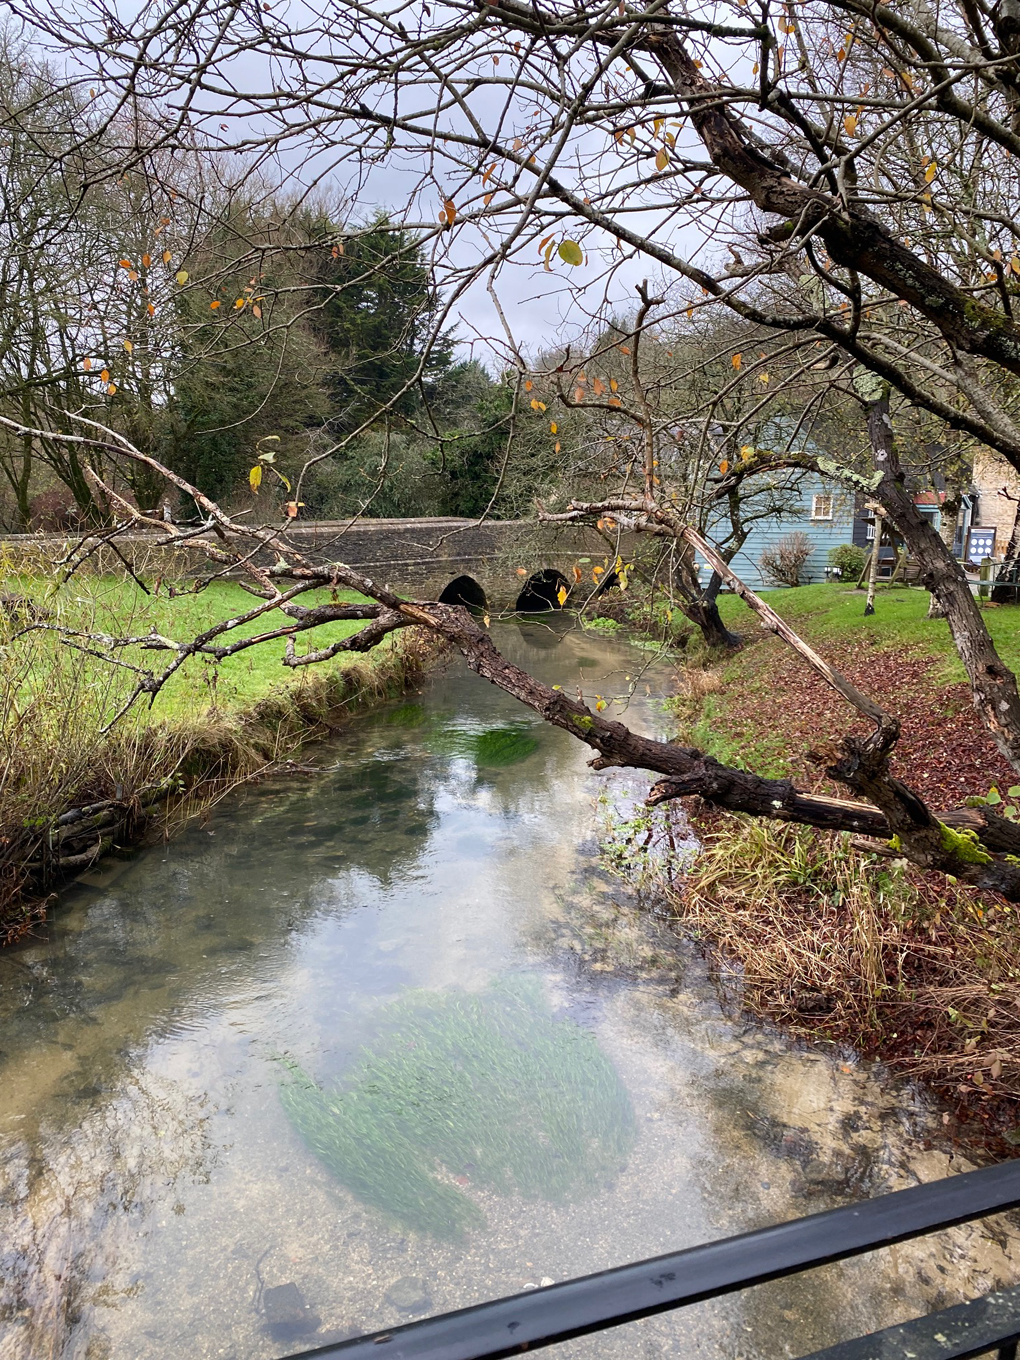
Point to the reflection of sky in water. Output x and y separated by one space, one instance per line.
152 1191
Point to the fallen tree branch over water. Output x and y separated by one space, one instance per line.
968 844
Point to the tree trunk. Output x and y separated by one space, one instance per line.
25 474
992 684
947 533
705 613
1005 594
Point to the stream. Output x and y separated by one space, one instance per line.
386 1040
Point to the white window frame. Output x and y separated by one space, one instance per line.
826 503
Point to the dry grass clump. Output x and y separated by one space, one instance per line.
865 950
696 682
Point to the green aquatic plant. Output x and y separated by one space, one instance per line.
487 1088
491 749
499 746
406 715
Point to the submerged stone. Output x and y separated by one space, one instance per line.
286 1312
409 1294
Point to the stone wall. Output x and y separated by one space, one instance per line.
992 477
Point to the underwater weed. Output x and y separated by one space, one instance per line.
489 1085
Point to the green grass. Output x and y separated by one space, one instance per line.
835 613
766 754
119 607
211 727
487 1088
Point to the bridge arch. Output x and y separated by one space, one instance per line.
464 590
541 591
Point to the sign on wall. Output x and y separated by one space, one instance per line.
980 544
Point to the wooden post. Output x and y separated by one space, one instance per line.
869 603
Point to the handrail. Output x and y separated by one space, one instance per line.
543 1317
975 1328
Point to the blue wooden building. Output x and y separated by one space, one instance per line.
785 502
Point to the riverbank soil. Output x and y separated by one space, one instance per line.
77 781
845 946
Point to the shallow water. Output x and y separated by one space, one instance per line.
155 1197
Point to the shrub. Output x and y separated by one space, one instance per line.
848 560
783 563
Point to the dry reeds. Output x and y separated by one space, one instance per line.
866 951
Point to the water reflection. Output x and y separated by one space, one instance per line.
155 1196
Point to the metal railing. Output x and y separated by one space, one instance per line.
573 1308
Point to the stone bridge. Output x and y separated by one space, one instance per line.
495 565
498 564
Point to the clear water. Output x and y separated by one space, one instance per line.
154 1194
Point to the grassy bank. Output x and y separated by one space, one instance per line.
840 945
213 726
